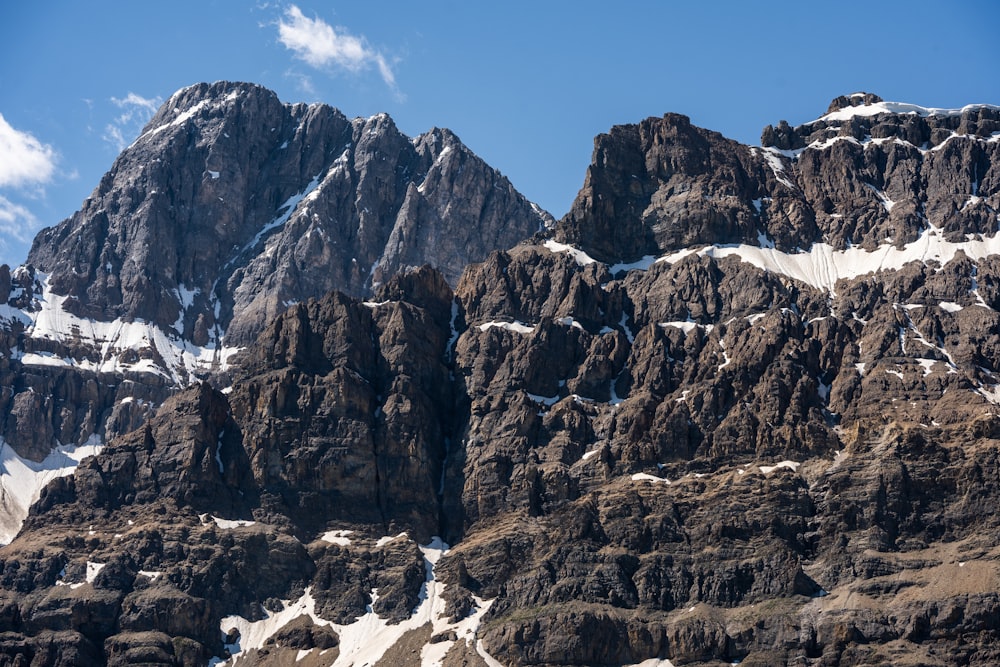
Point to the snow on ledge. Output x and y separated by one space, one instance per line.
791 465
646 477
338 537
822 266
518 327
226 523
900 108
582 258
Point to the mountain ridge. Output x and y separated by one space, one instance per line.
680 427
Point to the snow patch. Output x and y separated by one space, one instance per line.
338 537
92 570
687 326
791 465
365 641
230 523
515 326
773 158
382 541
569 322
822 266
22 480
181 359
646 477
900 108
581 258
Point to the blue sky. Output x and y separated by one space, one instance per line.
526 85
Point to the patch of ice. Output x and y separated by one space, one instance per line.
588 455
213 174
152 574
928 365
950 306
894 372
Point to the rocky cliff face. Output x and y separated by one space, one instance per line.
752 438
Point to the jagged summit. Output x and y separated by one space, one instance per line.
868 174
853 100
232 205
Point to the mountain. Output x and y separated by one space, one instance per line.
229 208
740 405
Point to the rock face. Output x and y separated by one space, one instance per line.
231 205
775 444
664 184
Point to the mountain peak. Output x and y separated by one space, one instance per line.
232 205
853 100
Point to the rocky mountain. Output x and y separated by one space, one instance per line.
740 405
229 208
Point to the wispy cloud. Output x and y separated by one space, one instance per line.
16 222
321 45
24 160
26 165
136 111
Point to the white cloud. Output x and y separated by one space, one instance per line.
16 221
24 160
321 45
136 111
